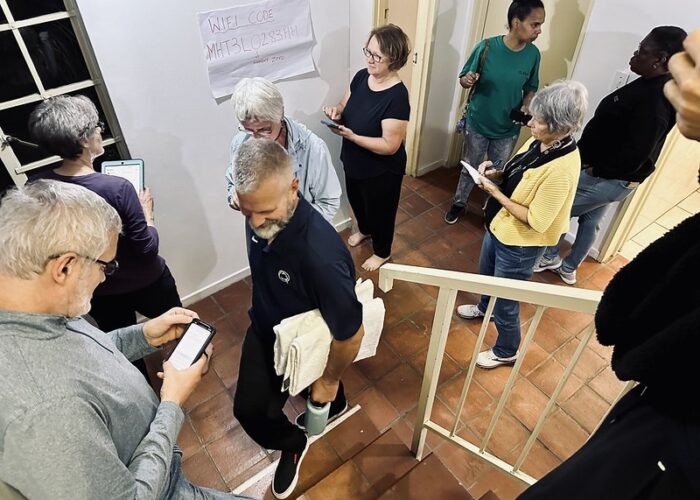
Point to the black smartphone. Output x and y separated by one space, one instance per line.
330 124
192 344
519 116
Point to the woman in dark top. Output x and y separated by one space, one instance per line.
374 115
69 126
620 145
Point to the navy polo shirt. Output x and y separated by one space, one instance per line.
306 267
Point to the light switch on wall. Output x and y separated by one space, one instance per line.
620 79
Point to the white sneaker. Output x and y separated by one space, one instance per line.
568 278
543 264
469 311
489 360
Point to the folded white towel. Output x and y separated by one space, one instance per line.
303 341
308 354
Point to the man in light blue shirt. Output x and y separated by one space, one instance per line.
260 110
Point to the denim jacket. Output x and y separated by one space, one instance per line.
312 165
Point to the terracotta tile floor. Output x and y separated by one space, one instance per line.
219 454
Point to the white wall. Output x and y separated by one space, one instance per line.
151 58
452 25
614 30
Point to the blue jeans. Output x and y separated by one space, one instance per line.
473 151
505 261
593 197
181 489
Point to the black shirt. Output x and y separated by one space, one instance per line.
625 136
363 114
306 267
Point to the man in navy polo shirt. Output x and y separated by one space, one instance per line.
298 263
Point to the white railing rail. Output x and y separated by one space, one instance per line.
449 283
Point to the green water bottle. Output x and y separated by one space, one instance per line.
316 417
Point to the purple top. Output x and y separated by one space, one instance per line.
137 249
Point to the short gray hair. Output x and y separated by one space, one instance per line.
562 105
257 99
47 218
257 160
60 123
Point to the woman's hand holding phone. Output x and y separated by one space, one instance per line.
332 112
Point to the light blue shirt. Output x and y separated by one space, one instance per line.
311 161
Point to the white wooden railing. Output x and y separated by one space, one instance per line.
449 283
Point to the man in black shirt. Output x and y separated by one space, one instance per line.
298 263
620 145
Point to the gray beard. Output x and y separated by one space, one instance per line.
272 228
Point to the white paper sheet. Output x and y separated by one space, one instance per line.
272 39
478 178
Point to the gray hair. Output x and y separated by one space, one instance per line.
257 160
45 218
257 99
60 123
562 105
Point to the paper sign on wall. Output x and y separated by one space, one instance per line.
272 39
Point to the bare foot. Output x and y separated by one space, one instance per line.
357 238
374 262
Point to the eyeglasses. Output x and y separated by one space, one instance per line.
94 126
108 268
371 55
261 132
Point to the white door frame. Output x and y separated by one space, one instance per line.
420 59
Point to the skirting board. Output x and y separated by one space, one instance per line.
212 288
424 169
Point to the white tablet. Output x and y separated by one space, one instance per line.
131 170
478 178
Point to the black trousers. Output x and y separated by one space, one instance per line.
117 311
375 202
258 401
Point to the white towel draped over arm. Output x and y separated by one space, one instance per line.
303 341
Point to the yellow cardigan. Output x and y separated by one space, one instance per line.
548 193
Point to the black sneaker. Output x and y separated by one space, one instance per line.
453 214
300 421
287 473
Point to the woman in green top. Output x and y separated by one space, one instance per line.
507 81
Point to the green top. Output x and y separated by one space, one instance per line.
506 76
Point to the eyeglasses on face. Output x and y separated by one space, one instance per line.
261 132
94 126
108 268
371 55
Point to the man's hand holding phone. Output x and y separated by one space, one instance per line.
168 326
178 385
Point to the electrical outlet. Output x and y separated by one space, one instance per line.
620 79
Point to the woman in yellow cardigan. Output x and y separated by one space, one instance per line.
528 207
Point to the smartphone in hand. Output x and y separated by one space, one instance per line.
330 124
520 117
192 344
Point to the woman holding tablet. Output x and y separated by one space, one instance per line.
373 116
69 126
528 207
